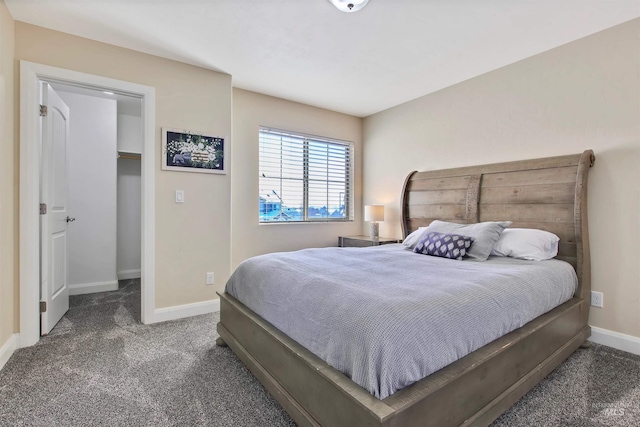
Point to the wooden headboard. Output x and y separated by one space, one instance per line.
548 194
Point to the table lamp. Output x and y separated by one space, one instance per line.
374 213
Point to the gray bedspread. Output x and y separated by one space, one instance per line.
387 317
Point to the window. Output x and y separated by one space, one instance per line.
304 178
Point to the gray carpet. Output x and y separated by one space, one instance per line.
101 367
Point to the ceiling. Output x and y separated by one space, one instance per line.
126 104
307 51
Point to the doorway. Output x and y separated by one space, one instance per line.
31 77
100 196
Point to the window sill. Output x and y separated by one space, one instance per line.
346 221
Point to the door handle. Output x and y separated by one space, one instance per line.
69 219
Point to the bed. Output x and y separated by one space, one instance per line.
548 194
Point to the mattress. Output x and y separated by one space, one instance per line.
387 317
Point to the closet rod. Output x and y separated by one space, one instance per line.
125 156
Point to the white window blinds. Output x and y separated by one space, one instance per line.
304 178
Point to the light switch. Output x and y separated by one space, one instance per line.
179 196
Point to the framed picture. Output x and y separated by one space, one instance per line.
187 151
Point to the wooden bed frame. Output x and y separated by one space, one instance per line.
548 194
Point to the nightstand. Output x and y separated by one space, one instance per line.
362 241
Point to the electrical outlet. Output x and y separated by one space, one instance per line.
597 299
210 278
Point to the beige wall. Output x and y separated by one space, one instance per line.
585 94
251 110
8 180
191 238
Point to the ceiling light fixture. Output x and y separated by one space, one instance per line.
349 5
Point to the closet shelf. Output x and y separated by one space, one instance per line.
128 155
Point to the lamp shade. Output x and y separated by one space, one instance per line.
374 213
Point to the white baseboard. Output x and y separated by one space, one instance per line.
90 288
7 349
129 274
617 340
186 310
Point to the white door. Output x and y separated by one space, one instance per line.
53 224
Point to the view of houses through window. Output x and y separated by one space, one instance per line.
304 178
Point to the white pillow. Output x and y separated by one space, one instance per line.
412 239
527 243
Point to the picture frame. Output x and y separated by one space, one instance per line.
188 151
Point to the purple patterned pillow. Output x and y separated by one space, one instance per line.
453 246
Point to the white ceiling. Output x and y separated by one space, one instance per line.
307 51
126 104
